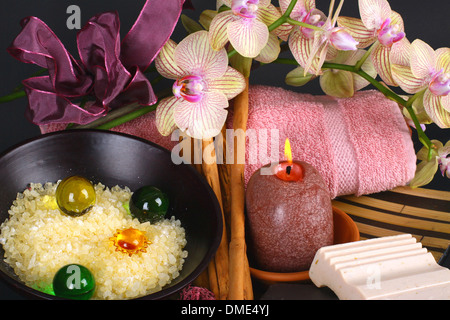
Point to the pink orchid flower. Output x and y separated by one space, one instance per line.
311 52
444 159
245 27
203 85
378 23
304 11
417 67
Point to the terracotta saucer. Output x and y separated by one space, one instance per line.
345 230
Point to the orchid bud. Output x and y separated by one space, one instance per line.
190 24
337 83
206 17
296 77
342 40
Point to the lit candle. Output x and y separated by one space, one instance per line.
289 215
289 170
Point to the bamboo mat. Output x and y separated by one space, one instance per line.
424 213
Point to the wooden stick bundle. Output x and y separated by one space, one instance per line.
229 272
218 267
240 283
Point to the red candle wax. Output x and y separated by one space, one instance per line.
288 219
289 171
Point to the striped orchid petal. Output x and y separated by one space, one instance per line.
445 102
400 58
231 83
443 59
164 118
403 76
435 109
359 32
310 4
262 3
203 119
248 36
269 15
301 8
218 34
381 62
271 51
396 19
194 53
401 53
300 47
423 59
374 13
317 53
165 63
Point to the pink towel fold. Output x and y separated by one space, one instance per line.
360 145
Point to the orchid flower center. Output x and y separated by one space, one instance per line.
312 19
389 34
440 83
190 88
245 8
444 164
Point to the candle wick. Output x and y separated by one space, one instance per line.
288 169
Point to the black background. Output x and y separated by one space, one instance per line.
427 20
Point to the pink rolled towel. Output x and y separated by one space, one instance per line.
360 145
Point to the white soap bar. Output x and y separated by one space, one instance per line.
395 267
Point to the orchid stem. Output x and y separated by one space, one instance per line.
124 114
128 117
286 18
12 96
361 61
413 98
18 91
302 24
231 53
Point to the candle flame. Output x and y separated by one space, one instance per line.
287 151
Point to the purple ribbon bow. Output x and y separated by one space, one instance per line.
109 70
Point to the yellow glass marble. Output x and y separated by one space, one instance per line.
75 195
130 241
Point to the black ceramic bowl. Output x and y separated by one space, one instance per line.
116 159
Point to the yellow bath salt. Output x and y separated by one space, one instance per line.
39 239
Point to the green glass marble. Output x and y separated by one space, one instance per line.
75 195
149 204
74 281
